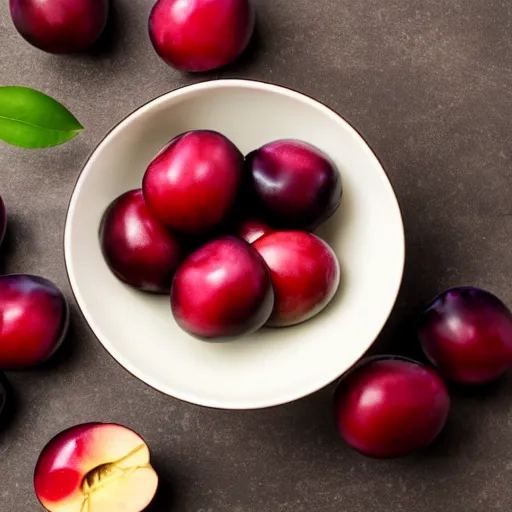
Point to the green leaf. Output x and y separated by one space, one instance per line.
31 119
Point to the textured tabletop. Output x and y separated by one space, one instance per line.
429 85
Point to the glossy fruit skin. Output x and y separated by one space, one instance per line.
466 332
293 184
60 26
305 275
222 291
138 248
201 35
387 408
193 182
3 220
252 229
34 319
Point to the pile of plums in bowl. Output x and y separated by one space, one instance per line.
228 237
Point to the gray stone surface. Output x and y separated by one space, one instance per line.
429 85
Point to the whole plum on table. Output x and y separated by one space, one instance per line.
34 318
137 247
305 275
60 26
192 184
293 184
222 291
467 333
390 407
201 35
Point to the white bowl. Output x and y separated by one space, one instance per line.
272 366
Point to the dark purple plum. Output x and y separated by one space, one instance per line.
222 291
467 333
34 318
138 248
390 407
201 35
3 220
293 184
60 26
192 184
305 275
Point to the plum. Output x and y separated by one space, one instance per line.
252 229
390 407
60 26
34 318
466 332
305 275
293 184
222 291
201 35
95 467
3 220
138 248
192 184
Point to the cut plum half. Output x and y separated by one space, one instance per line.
95 467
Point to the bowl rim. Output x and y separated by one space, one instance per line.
183 90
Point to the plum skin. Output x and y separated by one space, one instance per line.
293 185
389 407
29 335
222 291
200 35
138 249
466 332
305 275
65 26
193 182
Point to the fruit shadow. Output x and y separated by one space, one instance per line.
112 35
8 245
11 407
165 497
425 266
105 46
66 353
241 65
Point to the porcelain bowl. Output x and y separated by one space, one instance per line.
272 366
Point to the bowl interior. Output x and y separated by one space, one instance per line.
272 366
